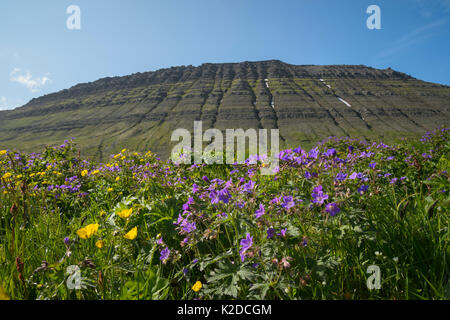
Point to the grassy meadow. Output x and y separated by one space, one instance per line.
138 227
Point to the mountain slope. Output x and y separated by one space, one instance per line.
306 103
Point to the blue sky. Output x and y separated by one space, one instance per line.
40 55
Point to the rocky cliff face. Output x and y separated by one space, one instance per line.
307 103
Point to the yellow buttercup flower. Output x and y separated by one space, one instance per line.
197 286
102 213
95 172
123 150
118 178
110 189
84 173
6 176
125 213
132 234
2 152
99 244
88 231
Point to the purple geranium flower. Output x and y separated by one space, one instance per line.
318 196
214 196
260 212
332 209
245 244
341 176
363 189
270 233
66 241
330 152
248 187
313 153
186 205
224 195
164 254
288 202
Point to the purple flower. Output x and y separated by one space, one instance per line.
186 205
307 175
276 200
330 152
214 196
298 150
372 165
224 195
313 153
194 188
248 187
282 233
353 176
194 261
363 189
332 209
288 202
350 148
393 181
318 196
260 212
245 245
270 233
341 176
164 254
188 227
66 241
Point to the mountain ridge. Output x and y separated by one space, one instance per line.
306 102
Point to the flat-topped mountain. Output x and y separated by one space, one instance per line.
306 102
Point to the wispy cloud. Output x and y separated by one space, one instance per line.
25 78
7 104
3 105
417 35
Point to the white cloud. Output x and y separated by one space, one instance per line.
25 78
7 104
4 104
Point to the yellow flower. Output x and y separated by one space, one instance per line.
123 158
125 213
84 173
197 286
95 172
117 156
2 152
99 244
3 295
102 213
132 234
88 231
6 176
123 150
110 189
118 178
